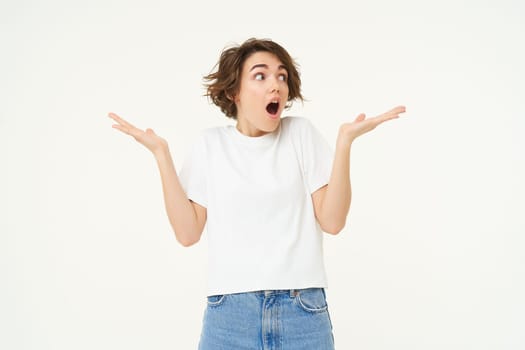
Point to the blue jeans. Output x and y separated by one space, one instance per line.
294 319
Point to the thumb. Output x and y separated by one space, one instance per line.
360 117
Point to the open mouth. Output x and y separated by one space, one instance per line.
272 108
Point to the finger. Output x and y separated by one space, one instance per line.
137 134
391 114
397 110
388 116
128 129
120 120
360 118
394 112
125 126
121 128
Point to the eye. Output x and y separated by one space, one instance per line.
259 76
283 77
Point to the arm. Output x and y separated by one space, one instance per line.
332 202
186 217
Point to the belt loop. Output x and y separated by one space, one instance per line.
293 293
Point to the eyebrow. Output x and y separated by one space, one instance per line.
262 65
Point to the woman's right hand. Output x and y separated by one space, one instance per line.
148 138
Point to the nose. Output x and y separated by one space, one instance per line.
274 87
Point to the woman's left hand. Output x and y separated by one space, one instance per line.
348 132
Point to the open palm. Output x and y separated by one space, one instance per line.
350 131
148 138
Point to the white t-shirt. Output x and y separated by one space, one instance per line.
261 228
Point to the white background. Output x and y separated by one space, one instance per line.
433 253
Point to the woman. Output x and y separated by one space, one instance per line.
265 188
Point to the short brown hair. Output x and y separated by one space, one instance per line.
223 84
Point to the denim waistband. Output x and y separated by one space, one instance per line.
291 292
267 293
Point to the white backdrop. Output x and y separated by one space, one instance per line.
432 255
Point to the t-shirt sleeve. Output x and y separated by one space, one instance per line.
192 175
317 157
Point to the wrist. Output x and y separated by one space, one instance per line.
344 141
161 152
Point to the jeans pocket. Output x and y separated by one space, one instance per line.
311 300
215 300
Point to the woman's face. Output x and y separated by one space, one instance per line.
263 94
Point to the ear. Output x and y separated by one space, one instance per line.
233 98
